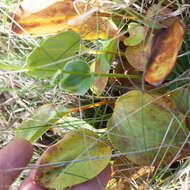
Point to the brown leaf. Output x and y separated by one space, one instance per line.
127 84
137 56
164 49
52 17
99 82
159 15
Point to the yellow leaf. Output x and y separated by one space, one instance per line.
164 49
36 17
99 82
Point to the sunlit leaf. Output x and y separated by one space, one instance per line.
99 82
139 123
109 51
76 145
36 124
68 123
73 123
52 49
102 64
79 80
51 16
136 34
164 49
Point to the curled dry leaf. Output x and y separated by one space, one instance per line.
164 49
52 17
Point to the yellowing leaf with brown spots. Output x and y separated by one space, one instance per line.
37 17
78 149
164 49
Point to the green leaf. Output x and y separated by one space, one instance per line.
5 18
6 66
181 97
79 79
140 122
76 145
136 34
52 49
102 65
72 123
40 121
109 49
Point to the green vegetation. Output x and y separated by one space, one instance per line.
83 104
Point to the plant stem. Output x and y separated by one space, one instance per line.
103 102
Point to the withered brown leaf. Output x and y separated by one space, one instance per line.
164 50
53 16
